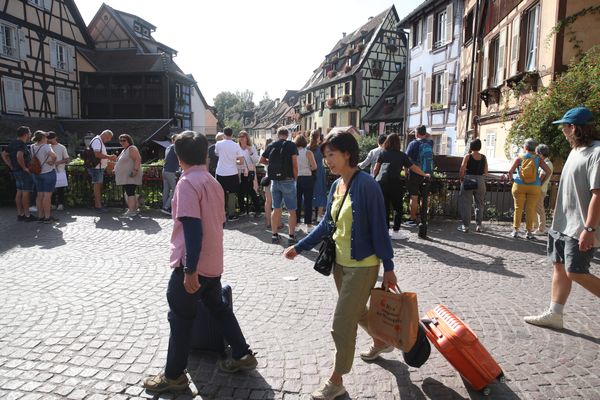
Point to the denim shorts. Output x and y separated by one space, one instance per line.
45 183
284 190
23 180
565 250
97 174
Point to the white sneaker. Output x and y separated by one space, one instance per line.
398 235
463 229
328 391
33 209
529 235
547 319
309 228
479 228
129 214
374 352
60 207
515 233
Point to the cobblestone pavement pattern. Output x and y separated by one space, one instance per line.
83 314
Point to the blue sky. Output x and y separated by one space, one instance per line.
269 45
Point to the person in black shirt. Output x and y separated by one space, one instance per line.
472 170
17 158
387 171
213 159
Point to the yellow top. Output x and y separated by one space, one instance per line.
343 235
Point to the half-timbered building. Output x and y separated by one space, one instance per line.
433 70
354 74
39 72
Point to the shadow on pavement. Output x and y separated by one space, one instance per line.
498 391
115 223
571 332
452 259
407 389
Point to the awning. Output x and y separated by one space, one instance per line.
163 143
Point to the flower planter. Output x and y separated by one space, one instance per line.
331 74
347 69
330 103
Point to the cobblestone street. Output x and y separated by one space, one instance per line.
83 314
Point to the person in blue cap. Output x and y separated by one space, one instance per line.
574 236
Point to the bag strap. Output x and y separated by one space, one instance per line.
344 199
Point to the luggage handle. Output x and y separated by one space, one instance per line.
431 324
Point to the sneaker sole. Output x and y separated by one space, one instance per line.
341 393
244 368
376 356
169 389
541 325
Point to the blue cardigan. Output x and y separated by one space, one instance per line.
369 225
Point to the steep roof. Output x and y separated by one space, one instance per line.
381 111
80 22
368 30
423 9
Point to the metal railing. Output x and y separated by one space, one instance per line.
443 201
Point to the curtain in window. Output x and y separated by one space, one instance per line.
532 39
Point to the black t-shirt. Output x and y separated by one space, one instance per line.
476 167
288 150
13 148
396 160
213 160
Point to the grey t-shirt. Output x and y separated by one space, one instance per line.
580 175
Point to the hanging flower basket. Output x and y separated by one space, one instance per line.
392 48
347 69
331 73
377 73
360 47
330 103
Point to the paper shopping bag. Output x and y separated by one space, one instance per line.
394 318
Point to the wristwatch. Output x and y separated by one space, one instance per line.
589 229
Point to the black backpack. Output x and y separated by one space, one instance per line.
279 167
89 157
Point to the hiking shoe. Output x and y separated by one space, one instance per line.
275 238
411 223
231 365
479 228
529 235
291 240
548 319
374 352
463 229
328 391
515 233
160 383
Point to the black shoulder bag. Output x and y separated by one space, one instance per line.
326 258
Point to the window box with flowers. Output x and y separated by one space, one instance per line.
392 48
437 106
344 100
377 72
332 73
360 47
330 103
347 69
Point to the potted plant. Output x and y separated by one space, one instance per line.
331 73
347 68
345 98
437 106
360 47
330 102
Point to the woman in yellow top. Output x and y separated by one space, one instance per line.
361 240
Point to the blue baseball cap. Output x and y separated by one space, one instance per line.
576 116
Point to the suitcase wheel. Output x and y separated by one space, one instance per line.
501 378
486 391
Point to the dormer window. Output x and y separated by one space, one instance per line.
145 32
141 30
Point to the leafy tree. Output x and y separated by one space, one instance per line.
580 85
224 102
235 125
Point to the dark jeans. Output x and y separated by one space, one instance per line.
393 195
247 194
58 197
182 311
304 189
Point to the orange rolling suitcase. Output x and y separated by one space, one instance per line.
460 346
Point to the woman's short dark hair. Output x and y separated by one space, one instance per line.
22 131
344 142
475 145
126 137
300 141
191 147
392 142
227 131
381 139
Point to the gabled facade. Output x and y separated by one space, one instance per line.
387 115
281 113
517 53
433 71
39 70
204 119
132 75
354 75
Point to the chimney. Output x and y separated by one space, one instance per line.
343 34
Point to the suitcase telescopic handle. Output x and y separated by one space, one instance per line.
432 324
